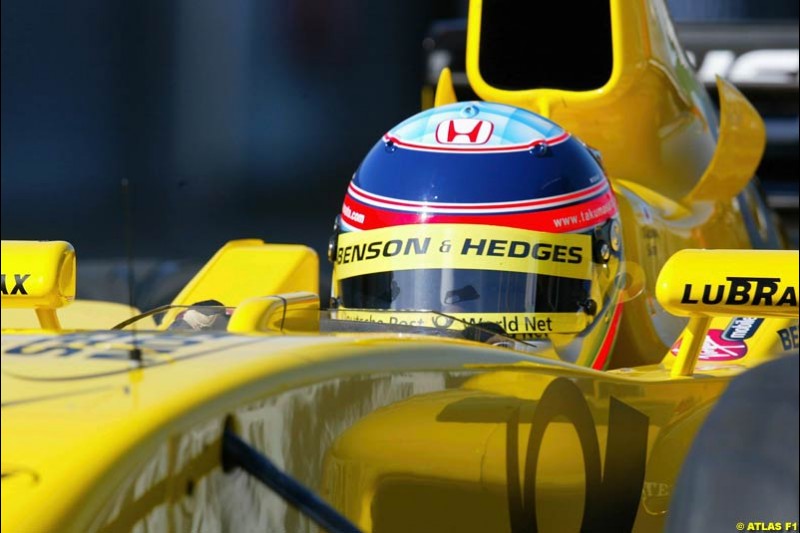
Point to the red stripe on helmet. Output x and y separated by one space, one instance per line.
376 200
557 220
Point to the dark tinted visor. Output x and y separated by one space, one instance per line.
463 291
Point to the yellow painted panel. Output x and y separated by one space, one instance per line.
730 283
652 120
37 274
245 268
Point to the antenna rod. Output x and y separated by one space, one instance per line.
135 352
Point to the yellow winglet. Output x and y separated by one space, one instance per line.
742 138
445 93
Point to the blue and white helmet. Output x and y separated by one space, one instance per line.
485 212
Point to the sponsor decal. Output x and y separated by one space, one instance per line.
656 489
352 214
108 344
788 338
587 215
462 140
512 323
757 67
743 291
19 284
656 496
741 328
464 246
716 348
464 131
617 476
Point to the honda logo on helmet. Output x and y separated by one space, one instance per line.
464 131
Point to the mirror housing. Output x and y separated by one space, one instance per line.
703 284
38 275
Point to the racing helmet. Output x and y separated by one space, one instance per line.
480 213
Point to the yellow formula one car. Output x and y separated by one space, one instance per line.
527 341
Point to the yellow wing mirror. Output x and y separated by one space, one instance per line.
703 284
38 275
295 311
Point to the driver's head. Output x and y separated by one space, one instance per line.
489 214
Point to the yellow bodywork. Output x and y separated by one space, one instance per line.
755 283
249 267
651 120
402 432
399 432
680 180
80 314
38 276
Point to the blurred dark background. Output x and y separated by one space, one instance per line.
228 119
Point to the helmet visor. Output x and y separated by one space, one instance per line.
520 303
463 291
476 273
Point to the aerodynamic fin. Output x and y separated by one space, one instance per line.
445 93
742 138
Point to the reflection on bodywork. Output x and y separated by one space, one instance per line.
293 429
